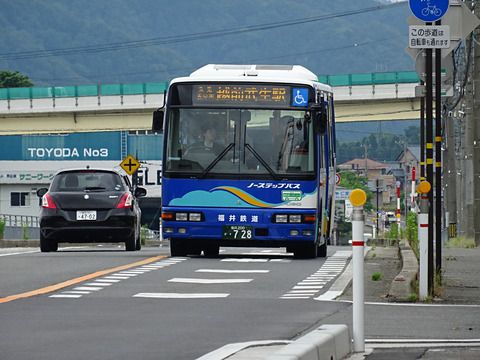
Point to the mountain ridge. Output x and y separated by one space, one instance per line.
340 43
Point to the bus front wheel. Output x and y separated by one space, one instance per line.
322 250
305 251
211 250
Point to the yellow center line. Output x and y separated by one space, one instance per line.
77 280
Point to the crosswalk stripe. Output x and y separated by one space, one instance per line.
226 271
181 295
209 281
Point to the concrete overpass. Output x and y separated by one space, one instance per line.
359 97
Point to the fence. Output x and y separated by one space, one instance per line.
20 220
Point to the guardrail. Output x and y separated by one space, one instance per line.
20 220
394 77
82 91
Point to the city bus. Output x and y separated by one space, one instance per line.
248 160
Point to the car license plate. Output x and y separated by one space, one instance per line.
237 232
86 215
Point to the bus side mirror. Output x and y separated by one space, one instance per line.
319 118
157 123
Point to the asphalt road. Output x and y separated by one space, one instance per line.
170 308
104 303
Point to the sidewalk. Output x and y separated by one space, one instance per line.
461 276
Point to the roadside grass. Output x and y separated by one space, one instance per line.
460 242
376 276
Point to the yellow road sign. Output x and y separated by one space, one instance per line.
130 164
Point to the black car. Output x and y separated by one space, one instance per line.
90 205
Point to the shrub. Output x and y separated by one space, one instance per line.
2 227
376 276
143 234
25 231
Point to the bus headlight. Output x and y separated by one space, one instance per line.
295 218
281 218
195 217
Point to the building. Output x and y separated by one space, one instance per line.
29 162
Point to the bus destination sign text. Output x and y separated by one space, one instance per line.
241 94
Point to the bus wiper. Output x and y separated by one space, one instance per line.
216 160
263 162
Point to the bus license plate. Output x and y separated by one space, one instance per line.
237 232
86 215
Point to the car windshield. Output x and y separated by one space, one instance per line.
273 143
87 181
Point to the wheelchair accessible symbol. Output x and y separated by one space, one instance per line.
299 97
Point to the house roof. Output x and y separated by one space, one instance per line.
414 150
359 164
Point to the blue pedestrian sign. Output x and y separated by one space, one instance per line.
429 10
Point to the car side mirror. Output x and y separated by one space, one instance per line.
140 192
41 192
157 122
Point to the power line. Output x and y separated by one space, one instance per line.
153 72
187 37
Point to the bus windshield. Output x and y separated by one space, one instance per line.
239 142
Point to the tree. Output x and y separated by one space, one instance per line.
349 180
11 79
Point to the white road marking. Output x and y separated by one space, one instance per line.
76 292
244 260
71 296
88 288
181 295
108 280
332 266
98 284
21 253
209 281
307 287
295 297
311 283
123 274
117 277
303 291
225 271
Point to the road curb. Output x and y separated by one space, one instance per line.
402 285
19 243
325 342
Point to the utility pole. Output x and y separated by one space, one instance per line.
467 174
429 159
438 158
476 129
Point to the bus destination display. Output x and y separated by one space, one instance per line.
251 94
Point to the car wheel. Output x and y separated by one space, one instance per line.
138 243
177 247
130 243
44 247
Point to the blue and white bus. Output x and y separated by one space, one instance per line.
249 160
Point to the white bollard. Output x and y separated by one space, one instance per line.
422 220
358 198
